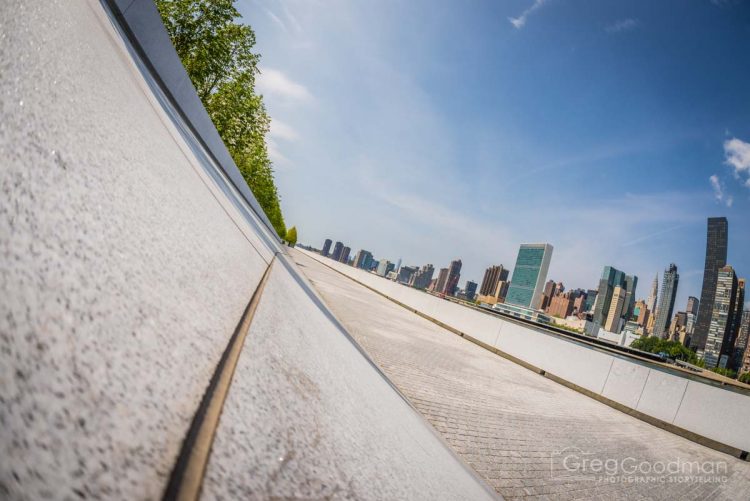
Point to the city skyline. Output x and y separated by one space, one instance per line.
615 314
674 290
425 154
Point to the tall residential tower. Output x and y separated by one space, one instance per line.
666 302
454 273
716 258
492 276
326 247
719 337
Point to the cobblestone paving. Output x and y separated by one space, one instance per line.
516 428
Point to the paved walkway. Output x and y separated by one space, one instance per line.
528 436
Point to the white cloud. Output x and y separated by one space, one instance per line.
520 21
650 236
291 17
282 130
719 193
737 155
274 153
291 20
277 83
275 19
716 185
621 25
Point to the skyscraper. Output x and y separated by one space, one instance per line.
492 276
422 278
345 255
591 296
383 267
740 345
692 305
716 258
441 279
666 302
405 274
336 256
363 259
529 275
611 279
691 315
389 267
547 294
501 292
613 322
326 247
579 304
631 282
735 324
470 290
549 288
643 314
717 347
653 295
454 273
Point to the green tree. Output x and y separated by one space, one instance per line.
724 371
291 236
217 53
745 378
673 349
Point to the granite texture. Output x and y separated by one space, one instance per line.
515 427
308 417
123 269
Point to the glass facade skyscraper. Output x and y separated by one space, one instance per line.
611 279
716 258
336 256
666 302
326 247
719 338
363 259
529 275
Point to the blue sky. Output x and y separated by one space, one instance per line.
431 130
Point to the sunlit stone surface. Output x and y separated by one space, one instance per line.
124 270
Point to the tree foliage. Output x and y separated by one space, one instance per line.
217 53
725 372
745 378
673 349
291 236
